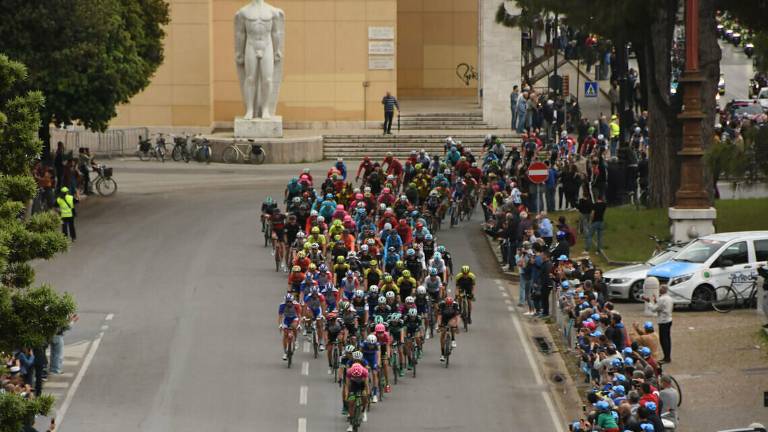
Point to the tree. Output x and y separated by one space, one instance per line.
29 316
86 56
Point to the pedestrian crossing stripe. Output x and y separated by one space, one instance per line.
590 89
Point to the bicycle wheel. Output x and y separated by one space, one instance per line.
106 187
724 299
465 313
395 368
278 258
177 153
290 351
230 155
679 390
259 158
143 156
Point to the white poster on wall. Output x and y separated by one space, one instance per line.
381 33
381 62
381 47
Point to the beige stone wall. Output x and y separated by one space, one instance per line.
180 92
434 36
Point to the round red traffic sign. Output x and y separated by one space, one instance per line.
538 172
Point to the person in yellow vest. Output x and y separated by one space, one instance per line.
615 134
66 204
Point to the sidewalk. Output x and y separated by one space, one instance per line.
720 361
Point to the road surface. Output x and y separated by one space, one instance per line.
179 333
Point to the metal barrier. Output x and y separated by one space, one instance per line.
113 142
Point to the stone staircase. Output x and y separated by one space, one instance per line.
442 121
377 146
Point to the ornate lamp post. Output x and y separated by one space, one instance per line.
692 215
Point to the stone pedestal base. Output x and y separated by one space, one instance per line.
259 128
688 224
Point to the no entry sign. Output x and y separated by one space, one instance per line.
538 172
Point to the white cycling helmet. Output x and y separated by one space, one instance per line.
371 338
374 288
421 289
382 300
357 355
409 299
413 312
390 294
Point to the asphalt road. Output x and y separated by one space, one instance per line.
181 300
737 70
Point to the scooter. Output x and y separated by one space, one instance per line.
749 49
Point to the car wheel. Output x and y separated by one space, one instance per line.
636 291
702 297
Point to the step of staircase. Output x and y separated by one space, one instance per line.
443 120
377 146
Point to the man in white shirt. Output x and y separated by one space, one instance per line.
662 307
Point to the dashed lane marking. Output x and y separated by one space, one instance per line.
305 368
302 425
303 395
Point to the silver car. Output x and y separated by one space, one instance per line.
627 282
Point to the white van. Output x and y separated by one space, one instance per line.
710 262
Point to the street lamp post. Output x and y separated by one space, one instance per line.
692 215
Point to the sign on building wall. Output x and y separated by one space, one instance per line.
381 47
381 62
381 33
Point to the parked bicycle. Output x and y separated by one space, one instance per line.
180 149
146 151
201 149
104 183
727 297
234 153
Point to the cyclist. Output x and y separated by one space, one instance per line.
278 232
389 285
465 282
438 264
413 262
288 320
356 386
422 302
352 316
334 326
315 255
372 355
382 309
406 284
413 328
448 316
267 207
349 285
316 237
314 305
395 325
434 286
384 340
295 278
340 270
446 256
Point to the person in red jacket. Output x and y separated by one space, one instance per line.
393 167
365 168
405 231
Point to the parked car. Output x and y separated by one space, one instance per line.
627 282
710 262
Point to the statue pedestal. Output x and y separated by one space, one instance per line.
259 127
689 224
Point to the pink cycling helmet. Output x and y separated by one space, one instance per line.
357 370
380 328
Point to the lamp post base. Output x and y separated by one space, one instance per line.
688 224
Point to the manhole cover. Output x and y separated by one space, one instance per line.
542 344
558 378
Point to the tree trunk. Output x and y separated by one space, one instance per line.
709 62
665 129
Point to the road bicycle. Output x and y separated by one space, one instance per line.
727 297
180 150
335 356
312 334
357 419
233 153
267 231
454 213
279 253
394 360
104 184
290 350
464 307
445 340
411 353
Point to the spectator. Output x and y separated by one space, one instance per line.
66 204
513 106
669 397
662 307
646 337
390 103
613 97
596 225
600 287
26 362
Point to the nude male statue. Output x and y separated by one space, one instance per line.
259 39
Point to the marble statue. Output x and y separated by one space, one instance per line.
259 43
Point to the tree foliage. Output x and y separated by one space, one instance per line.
86 56
29 316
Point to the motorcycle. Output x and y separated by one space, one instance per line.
749 49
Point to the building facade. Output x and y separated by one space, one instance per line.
341 56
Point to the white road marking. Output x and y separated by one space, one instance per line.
56 384
302 425
504 294
501 288
537 374
306 346
70 362
303 395
305 368
499 282
104 327
508 301
510 308
78 379
109 317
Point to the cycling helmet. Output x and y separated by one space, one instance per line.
350 349
301 254
399 264
315 289
296 199
421 290
565 284
383 300
637 130
371 338
364 248
619 389
648 325
600 137
301 234
350 274
332 315
373 288
387 226
406 273
602 405
288 298
629 362
388 278
378 320
357 370
395 316
269 200
627 351
295 268
441 249
647 427
340 259
315 246
329 196
359 293
390 294
645 352
616 363
413 312
321 218
437 255
315 230
356 355
449 300
465 269
409 299
428 237
343 305
433 271
411 252
380 328
371 242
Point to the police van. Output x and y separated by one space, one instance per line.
710 262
